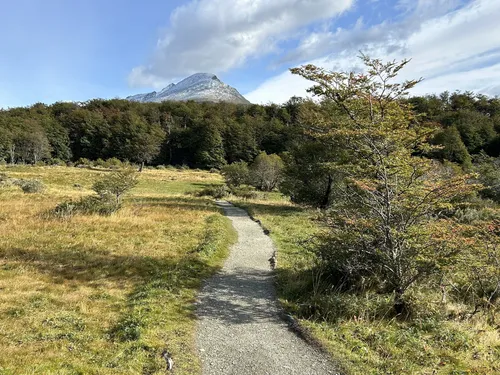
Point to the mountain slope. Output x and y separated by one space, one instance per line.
203 87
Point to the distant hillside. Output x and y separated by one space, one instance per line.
201 87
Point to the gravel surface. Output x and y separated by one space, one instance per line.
239 330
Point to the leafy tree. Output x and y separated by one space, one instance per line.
236 174
381 225
116 184
453 148
266 171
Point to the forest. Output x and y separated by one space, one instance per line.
210 135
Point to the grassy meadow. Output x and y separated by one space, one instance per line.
358 330
104 294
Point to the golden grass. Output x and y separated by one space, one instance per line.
103 295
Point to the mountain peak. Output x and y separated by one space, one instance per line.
203 87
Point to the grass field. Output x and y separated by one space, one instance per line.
104 295
361 343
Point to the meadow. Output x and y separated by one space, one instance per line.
105 294
358 330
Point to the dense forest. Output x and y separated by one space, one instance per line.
209 135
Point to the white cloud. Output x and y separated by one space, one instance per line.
217 35
457 49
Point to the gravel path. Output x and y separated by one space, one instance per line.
239 330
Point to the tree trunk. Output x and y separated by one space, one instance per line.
326 198
399 302
141 167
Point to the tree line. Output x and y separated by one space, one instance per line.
210 135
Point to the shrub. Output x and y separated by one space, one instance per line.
32 186
160 167
101 205
56 162
113 163
236 174
116 184
214 191
64 210
245 192
83 163
99 163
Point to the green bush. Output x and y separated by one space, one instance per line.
64 210
84 163
236 174
245 192
113 163
56 162
214 191
104 205
116 184
32 186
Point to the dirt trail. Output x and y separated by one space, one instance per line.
239 330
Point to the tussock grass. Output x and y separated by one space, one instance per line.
358 330
104 295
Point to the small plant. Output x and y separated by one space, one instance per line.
116 184
64 210
104 205
214 191
83 163
113 163
32 186
245 192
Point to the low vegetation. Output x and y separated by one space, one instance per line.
104 294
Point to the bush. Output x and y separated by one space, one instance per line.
113 163
245 192
91 205
160 167
83 163
236 174
116 184
56 162
32 186
101 205
64 210
214 191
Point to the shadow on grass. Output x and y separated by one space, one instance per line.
187 202
270 209
91 265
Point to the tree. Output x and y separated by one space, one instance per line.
116 184
266 171
236 174
453 148
381 225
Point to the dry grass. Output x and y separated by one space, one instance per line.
103 295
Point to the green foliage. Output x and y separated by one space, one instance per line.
116 184
488 170
214 191
32 186
236 174
381 226
453 149
245 192
266 171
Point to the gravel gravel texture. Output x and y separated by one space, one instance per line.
239 330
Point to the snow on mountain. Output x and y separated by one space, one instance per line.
203 87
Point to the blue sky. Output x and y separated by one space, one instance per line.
54 50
